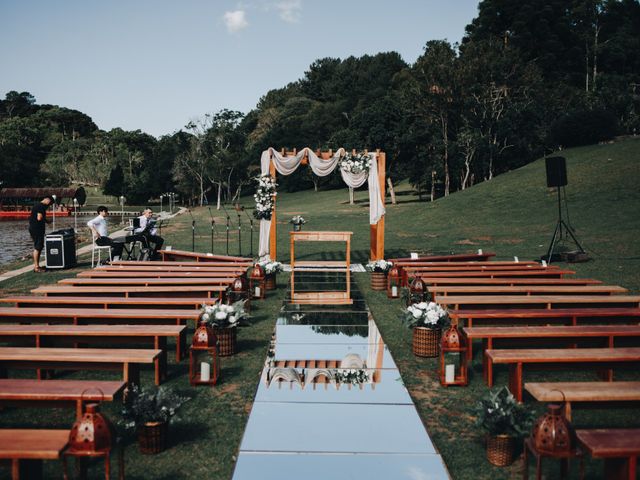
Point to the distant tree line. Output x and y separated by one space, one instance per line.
527 78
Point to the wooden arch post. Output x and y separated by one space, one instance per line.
376 232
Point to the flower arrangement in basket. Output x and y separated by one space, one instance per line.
222 316
426 319
351 376
265 192
504 421
270 267
297 220
379 266
356 163
149 412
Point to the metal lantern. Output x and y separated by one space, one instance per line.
204 367
552 433
257 282
91 436
238 289
394 282
417 290
453 357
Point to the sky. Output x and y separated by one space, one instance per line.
155 65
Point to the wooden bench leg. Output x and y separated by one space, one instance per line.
131 374
515 380
620 468
489 370
181 346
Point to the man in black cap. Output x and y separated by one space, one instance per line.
37 222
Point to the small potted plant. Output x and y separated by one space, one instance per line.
297 221
224 320
505 421
270 270
426 319
148 413
378 270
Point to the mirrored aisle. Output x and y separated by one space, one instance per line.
331 402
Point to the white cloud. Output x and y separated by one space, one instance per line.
290 10
235 21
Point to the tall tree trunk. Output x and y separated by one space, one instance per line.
201 191
391 191
433 185
445 156
219 195
595 57
586 64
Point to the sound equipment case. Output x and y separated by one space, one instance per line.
60 248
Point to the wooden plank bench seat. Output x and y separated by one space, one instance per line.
199 257
439 292
619 447
454 257
26 448
464 302
536 272
518 359
594 394
203 291
139 280
153 273
189 264
495 337
155 336
126 360
61 301
58 393
492 263
571 316
506 281
479 268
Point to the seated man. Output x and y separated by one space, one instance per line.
148 230
98 227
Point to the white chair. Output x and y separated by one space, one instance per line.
98 249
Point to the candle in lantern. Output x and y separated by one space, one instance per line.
257 293
479 251
544 263
394 291
205 371
414 256
515 259
449 373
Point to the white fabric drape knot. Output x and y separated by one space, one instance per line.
287 165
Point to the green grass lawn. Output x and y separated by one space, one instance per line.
513 215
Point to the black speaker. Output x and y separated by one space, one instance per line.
556 171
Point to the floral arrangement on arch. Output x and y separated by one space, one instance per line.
381 266
356 163
265 192
220 315
297 220
270 267
425 314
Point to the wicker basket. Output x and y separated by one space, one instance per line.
378 281
500 450
426 341
227 340
152 437
270 281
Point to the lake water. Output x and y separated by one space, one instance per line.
16 242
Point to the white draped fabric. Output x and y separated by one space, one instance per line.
287 165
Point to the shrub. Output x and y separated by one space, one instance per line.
583 127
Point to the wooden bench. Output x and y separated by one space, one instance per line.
26 448
52 335
543 334
138 280
544 272
438 292
539 301
20 392
594 394
564 315
122 273
203 291
126 360
193 265
199 257
619 447
108 303
507 281
457 257
517 359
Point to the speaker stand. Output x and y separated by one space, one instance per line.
561 232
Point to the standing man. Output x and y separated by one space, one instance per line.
37 222
98 227
148 230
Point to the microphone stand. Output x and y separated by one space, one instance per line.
193 231
228 222
213 223
250 229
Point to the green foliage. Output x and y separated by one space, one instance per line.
499 413
583 127
151 405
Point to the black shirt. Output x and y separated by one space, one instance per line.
34 224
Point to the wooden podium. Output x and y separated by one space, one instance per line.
325 297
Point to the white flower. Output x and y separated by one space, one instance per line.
422 305
232 319
416 313
221 315
205 317
432 317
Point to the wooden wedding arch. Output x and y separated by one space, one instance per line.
376 232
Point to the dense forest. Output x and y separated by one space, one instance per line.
527 78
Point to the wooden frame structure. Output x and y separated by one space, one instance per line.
376 232
328 297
